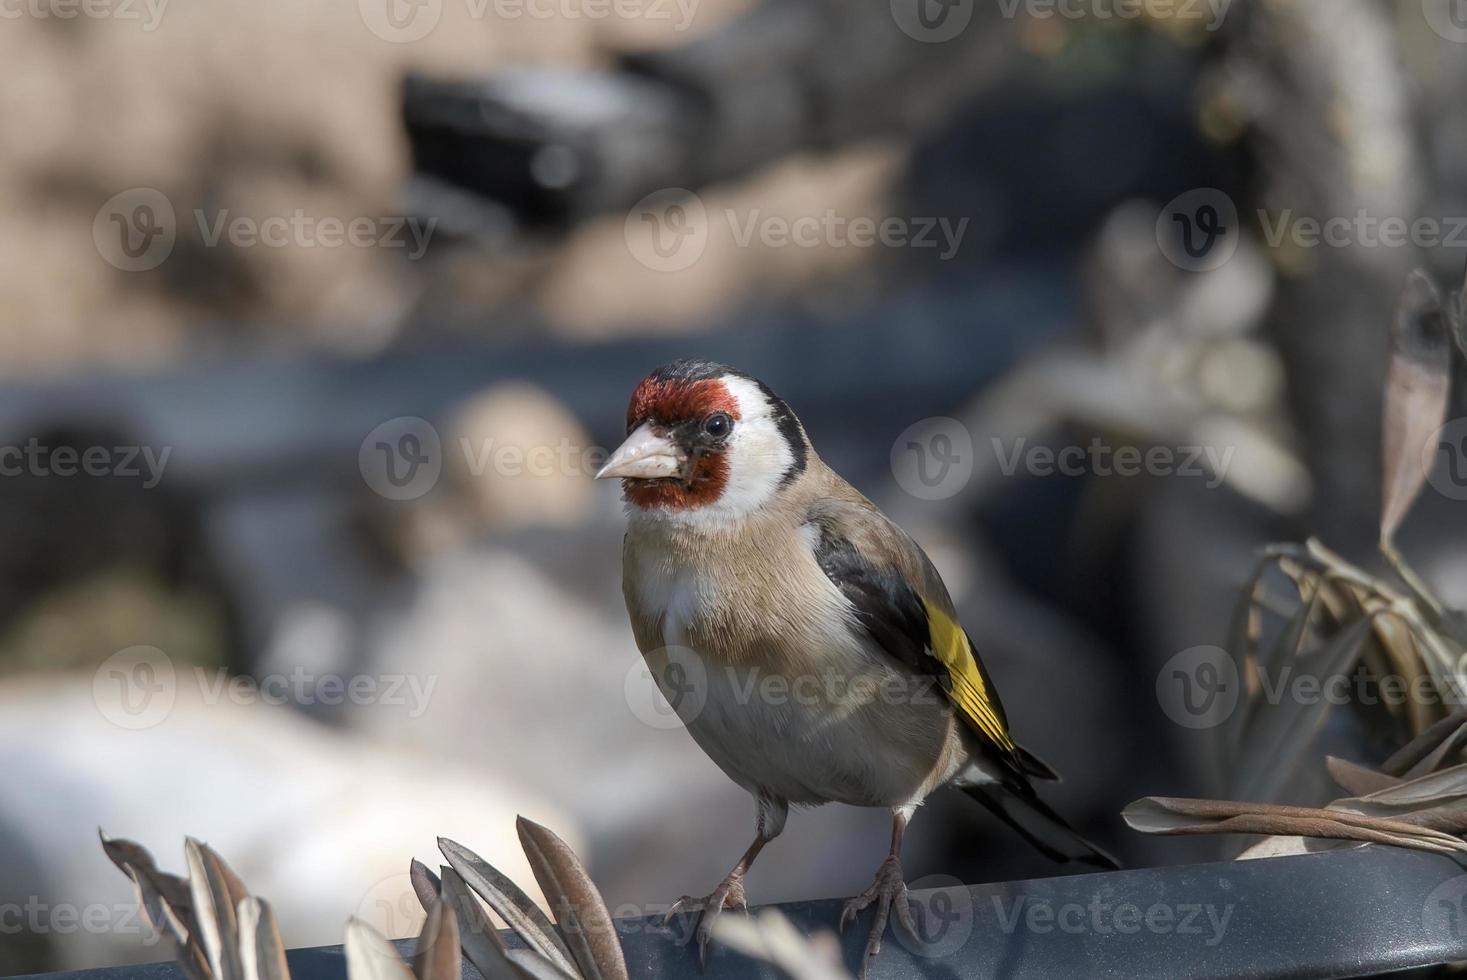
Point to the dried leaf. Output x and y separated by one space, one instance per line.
1339 604
1283 730
1424 744
1417 390
132 857
262 955
1355 779
437 954
533 965
1442 755
510 902
1164 815
425 884
122 852
369 956
1243 636
1292 845
1431 607
477 935
1449 817
1291 640
1394 640
1442 656
151 902
177 928
1437 801
216 892
1431 788
584 919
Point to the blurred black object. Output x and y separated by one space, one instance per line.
545 149
537 148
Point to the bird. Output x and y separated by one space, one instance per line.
804 640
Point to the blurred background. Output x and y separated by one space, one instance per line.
317 317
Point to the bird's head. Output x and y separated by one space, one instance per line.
706 442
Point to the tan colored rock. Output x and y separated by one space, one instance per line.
520 457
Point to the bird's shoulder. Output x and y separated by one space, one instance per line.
855 536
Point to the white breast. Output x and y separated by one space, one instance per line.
853 728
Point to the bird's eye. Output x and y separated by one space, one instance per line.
718 425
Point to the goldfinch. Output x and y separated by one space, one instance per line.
806 642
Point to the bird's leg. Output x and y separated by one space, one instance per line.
888 892
730 892
728 895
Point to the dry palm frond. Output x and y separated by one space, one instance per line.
1166 815
1414 757
1418 797
1416 800
518 911
1357 779
1341 618
220 932
217 930
480 939
582 944
1344 623
581 911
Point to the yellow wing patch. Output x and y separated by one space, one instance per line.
968 691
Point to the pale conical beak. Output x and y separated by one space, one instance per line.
645 456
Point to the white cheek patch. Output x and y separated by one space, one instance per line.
758 455
758 458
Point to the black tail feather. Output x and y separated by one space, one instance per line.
1040 825
1034 766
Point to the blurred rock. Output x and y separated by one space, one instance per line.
513 457
521 458
321 824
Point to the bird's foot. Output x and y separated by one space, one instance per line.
728 895
889 893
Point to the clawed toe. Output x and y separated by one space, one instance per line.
888 893
688 903
728 895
